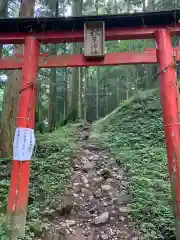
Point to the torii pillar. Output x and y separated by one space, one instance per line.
169 97
20 174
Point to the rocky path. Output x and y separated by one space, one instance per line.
96 205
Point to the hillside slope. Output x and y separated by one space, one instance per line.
50 174
133 133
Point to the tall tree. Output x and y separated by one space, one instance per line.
80 92
76 11
115 7
3 14
3 8
151 5
65 94
11 93
86 74
52 97
97 92
98 73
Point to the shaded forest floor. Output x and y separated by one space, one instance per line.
100 181
74 190
95 206
133 135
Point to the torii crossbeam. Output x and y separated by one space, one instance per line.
159 26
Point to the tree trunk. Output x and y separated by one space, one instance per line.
144 5
117 93
52 84
3 14
69 91
80 69
127 88
97 92
128 6
106 97
151 5
85 93
11 93
52 96
76 11
65 94
74 99
38 116
98 75
97 6
80 92
115 7
3 8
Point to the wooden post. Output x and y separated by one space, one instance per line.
169 96
23 141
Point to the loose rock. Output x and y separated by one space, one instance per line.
88 166
123 210
98 193
70 222
98 204
106 188
85 180
104 237
86 192
102 219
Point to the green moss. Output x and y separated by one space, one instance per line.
133 133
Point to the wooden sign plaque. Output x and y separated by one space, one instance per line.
94 40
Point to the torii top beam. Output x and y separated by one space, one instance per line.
70 29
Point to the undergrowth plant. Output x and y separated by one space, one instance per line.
50 175
133 133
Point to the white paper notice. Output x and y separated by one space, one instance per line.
24 142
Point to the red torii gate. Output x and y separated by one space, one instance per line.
159 26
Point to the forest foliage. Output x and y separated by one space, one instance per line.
67 94
50 174
139 146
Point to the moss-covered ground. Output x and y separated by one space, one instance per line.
50 175
134 135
